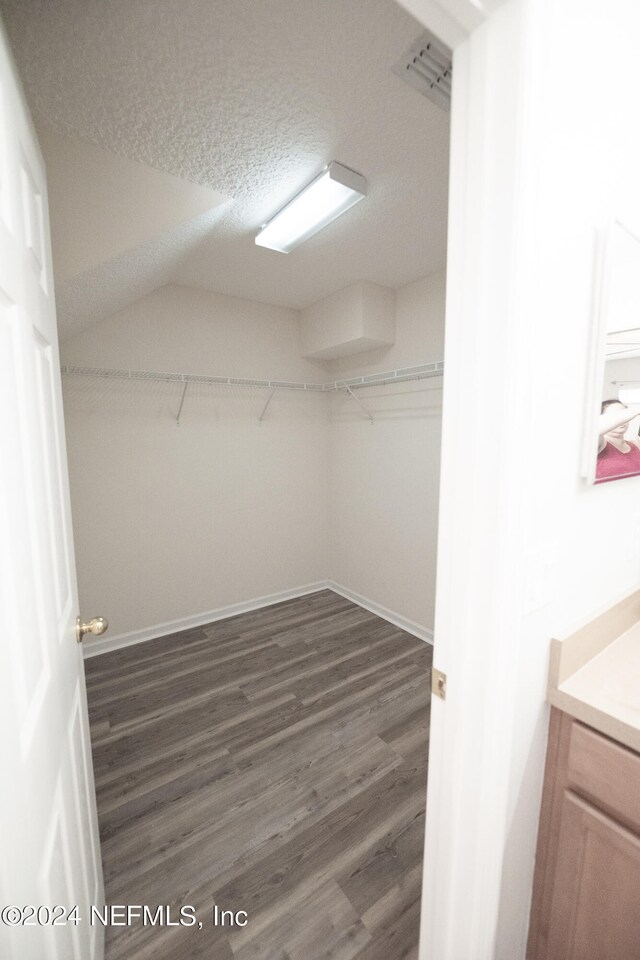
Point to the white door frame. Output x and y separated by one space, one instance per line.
477 602
541 157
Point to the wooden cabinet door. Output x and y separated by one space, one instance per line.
595 912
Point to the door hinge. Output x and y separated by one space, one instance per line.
439 683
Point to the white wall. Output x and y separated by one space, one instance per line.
385 475
173 521
542 154
189 330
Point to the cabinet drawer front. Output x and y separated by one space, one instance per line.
606 773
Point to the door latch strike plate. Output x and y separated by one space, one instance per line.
439 683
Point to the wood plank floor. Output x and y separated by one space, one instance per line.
273 763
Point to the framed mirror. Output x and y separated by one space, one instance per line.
612 441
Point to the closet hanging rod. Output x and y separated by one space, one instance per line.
423 371
112 374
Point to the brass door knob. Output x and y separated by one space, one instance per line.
96 626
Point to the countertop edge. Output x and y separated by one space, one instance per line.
593 716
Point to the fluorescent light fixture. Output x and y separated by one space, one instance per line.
331 193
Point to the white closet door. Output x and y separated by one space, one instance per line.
48 831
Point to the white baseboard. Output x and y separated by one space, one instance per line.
422 633
93 648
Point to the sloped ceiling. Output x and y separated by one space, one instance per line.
249 100
131 202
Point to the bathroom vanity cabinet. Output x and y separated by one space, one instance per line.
586 896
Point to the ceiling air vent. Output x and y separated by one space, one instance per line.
427 67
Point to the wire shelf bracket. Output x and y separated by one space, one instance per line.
184 393
367 414
266 406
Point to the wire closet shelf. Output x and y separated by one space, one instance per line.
423 371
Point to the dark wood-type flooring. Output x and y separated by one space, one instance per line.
275 763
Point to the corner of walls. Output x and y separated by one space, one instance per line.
419 312
409 626
206 515
215 511
384 477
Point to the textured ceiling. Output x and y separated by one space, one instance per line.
252 99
